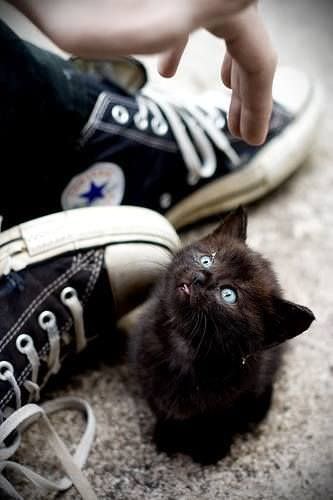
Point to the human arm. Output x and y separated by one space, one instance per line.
104 28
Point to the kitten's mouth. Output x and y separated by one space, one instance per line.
184 289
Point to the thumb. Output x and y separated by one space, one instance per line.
169 60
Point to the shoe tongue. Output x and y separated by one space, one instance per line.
127 72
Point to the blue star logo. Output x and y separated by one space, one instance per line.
95 192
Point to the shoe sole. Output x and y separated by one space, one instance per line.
270 167
72 230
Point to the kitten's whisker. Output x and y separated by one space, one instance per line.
196 328
210 339
192 328
203 336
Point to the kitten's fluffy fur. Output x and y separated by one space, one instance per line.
207 366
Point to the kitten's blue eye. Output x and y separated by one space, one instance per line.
229 295
206 260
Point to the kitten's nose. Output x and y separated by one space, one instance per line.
199 278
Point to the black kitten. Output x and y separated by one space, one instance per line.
207 347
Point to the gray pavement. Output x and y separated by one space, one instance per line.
290 456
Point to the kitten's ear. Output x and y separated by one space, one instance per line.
235 225
289 320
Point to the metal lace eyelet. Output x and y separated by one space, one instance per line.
165 200
159 127
67 294
120 114
70 299
140 122
46 320
24 343
5 370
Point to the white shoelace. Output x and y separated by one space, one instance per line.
205 123
20 419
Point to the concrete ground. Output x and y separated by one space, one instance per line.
290 457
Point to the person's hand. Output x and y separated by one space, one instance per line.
120 27
248 70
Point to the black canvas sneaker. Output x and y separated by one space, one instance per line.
64 280
175 154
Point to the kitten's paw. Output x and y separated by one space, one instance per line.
167 436
210 454
201 444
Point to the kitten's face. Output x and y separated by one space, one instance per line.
231 292
213 275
